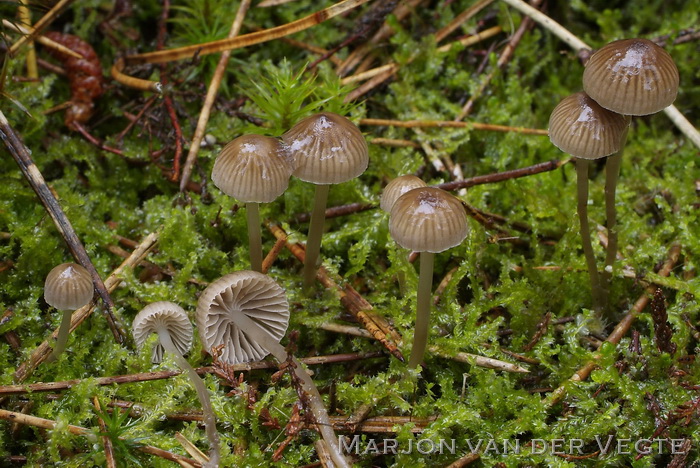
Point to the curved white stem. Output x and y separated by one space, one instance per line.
318 409
202 393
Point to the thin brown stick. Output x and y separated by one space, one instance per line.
395 142
43 40
106 441
44 349
505 175
460 19
451 124
209 99
226 44
24 160
620 330
39 26
349 298
29 420
273 253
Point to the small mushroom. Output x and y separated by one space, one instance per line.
582 128
248 313
327 148
426 220
170 322
398 187
68 287
630 77
254 169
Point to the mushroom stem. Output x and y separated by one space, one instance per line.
62 337
612 172
425 284
582 166
202 393
323 422
313 244
254 236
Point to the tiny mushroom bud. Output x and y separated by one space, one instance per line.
170 322
398 187
427 220
248 313
631 77
254 169
582 128
327 148
68 287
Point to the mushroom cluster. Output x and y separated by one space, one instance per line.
624 78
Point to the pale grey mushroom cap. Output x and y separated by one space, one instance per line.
327 148
163 315
253 294
580 127
68 286
398 187
252 169
631 77
428 219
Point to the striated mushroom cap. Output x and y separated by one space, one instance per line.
68 286
428 219
580 127
398 187
327 149
252 168
254 295
163 315
631 77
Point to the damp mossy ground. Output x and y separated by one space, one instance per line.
496 295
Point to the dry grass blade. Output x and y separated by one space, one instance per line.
45 41
29 420
40 25
461 19
44 349
191 448
225 44
24 160
209 99
451 124
107 442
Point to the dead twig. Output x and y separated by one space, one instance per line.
106 441
24 160
40 25
451 124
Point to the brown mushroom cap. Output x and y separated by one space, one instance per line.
252 168
163 315
398 187
631 77
580 127
68 287
428 219
254 295
327 149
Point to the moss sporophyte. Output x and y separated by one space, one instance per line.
517 367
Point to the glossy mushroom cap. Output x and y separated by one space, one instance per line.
327 149
428 219
631 77
248 293
580 127
163 316
68 287
398 187
252 168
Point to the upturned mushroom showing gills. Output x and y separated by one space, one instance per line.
327 149
254 169
174 329
68 287
248 313
580 127
630 77
426 220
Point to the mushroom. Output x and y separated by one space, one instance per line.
248 313
327 148
68 287
398 187
170 322
630 77
254 169
426 220
582 128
